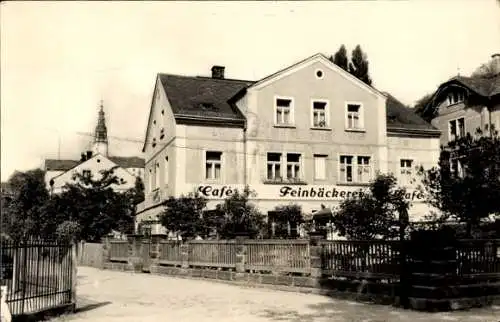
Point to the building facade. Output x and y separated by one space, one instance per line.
462 105
59 172
310 134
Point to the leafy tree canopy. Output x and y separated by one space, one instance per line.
373 215
469 190
184 215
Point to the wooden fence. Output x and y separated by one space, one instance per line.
90 254
119 250
420 269
291 256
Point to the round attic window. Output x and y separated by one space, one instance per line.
98 160
319 73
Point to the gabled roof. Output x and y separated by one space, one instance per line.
206 99
65 165
59 165
487 87
196 98
311 59
129 162
401 118
482 86
202 96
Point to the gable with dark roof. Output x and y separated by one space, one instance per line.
59 165
205 100
487 88
203 97
65 165
128 162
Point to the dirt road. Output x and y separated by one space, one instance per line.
107 296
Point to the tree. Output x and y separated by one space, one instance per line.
487 70
373 214
420 108
359 65
239 217
340 58
469 191
184 215
95 205
22 214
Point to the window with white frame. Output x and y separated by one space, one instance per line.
213 164
274 166
364 169
346 168
456 128
356 169
354 120
284 111
165 171
320 167
406 171
319 114
456 97
293 166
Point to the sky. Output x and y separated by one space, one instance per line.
59 59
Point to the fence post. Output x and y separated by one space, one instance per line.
134 258
315 258
106 246
185 254
74 273
156 247
241 254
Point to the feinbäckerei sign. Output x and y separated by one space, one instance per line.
306 192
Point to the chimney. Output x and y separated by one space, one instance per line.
89 154
83 158
218 72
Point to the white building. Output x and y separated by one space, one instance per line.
310 134
60 172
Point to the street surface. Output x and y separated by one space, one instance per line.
107 296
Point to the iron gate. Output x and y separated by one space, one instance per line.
38 275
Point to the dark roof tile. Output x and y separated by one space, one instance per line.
65 165
202 96
59 165
402 117
129 162
483 86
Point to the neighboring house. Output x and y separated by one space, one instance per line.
310 134
60 172
462 105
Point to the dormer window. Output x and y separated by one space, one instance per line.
456 97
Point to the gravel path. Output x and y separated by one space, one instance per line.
107 296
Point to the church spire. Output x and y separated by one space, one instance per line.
101 133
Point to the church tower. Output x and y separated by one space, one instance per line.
101 134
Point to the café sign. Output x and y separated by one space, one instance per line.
289 192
